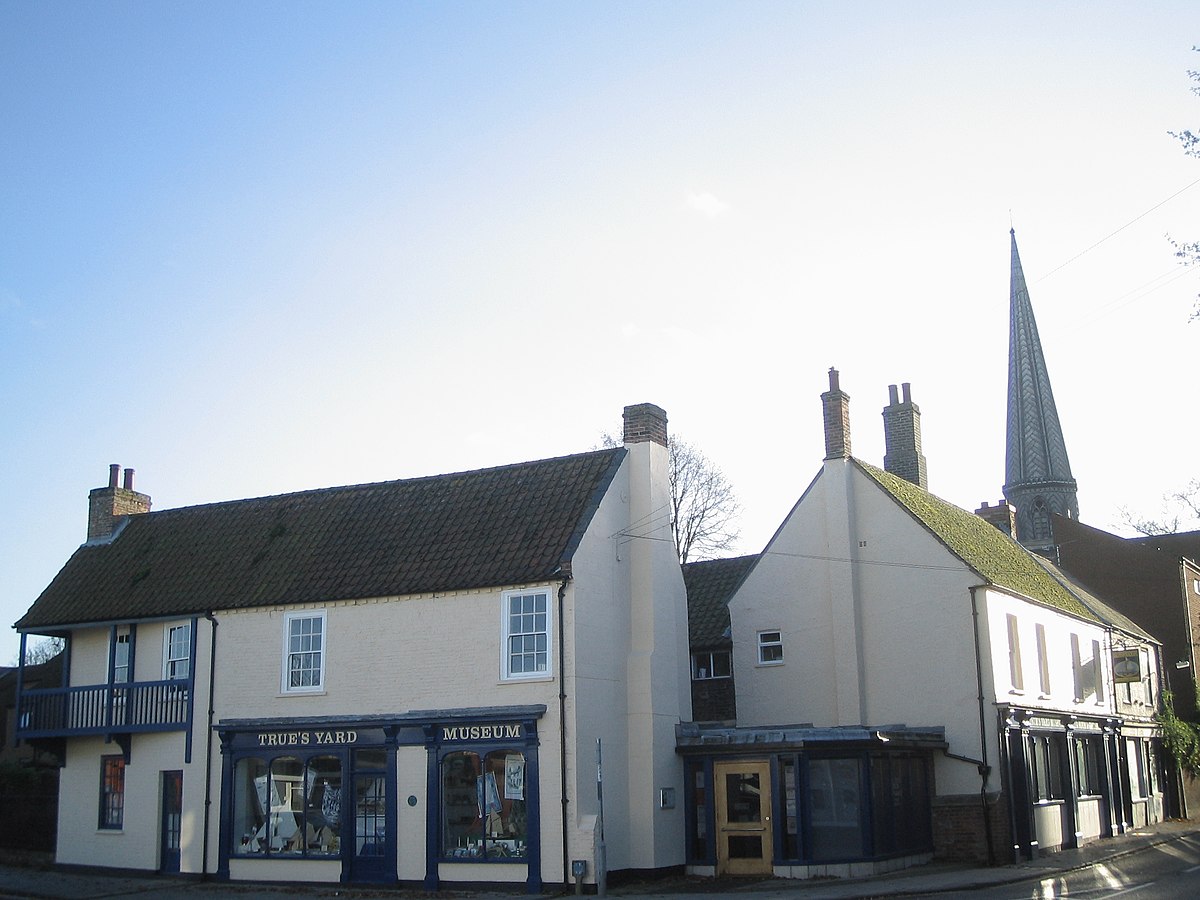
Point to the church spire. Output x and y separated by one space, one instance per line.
1038 478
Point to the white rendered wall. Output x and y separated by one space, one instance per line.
137 844
878 628
630 682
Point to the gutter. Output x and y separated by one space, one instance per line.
982 762
212 677
562 727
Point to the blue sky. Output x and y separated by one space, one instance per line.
255 248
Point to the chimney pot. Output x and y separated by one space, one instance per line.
902 438
108 505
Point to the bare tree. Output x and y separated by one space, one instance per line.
42 651
704 508
1181 511
1188 252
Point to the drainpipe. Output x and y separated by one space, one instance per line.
982 763
562 727
212 678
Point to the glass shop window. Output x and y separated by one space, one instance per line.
835 802
901 814
483 805
699 804
791 825
288 807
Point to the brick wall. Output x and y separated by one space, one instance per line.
645 422
959 831
713 700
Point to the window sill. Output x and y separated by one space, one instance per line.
302 694
767 665
525 679
1017 692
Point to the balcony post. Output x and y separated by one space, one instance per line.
112 660
20 687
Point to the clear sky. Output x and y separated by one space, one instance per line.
255 248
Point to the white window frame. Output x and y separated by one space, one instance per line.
507 635
285 681
1016 669
1043 660
169 661
1077 669
766 642
1098 672
124 639
704 665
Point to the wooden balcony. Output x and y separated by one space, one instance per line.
104 709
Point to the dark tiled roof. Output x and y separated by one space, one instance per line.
993 555
488 528
710 584
1181 543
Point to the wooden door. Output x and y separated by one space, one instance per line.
745 836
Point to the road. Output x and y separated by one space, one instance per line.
1168 871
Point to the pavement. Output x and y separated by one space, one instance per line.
30 878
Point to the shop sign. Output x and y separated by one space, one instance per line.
1127 666
501 731
306 738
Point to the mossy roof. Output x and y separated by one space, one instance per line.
993 555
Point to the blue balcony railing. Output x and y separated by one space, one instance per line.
103 709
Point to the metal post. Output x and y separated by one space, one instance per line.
601 850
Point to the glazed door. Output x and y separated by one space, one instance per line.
172 816
374 853
745 841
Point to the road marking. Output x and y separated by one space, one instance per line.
1131 890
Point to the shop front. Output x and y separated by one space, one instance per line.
1064 775
798 802
416 798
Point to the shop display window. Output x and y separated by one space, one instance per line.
835 805
699 803
288 807
483 805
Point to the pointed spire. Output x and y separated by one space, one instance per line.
1038 478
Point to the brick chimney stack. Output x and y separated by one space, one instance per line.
1003 515
902 438
835 404
645 422
107 505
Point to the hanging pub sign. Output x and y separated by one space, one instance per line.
1127 666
